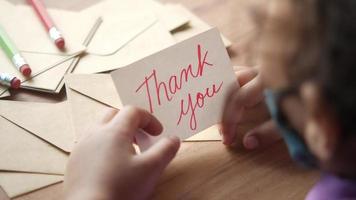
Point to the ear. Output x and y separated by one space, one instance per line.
322 129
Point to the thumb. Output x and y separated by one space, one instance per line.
162 153
263 135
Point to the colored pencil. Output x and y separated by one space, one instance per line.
13 54
47 21
9 80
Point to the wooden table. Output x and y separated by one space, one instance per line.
208 170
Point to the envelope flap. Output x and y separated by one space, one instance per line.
123 21
196 25
109 40
23 152
85 112
50 122
16 184
152 40
167 15
4 92
96 86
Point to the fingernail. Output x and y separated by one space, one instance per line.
251 142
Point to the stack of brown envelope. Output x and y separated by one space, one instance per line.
89 95
35 139
48 64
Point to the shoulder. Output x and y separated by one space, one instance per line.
331 187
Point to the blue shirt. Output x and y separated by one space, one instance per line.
331 187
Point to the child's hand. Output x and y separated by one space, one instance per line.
246 106
104 164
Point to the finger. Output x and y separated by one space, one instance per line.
252 92
231 114
258 113
161 154
261 136
247 96
239 68
108 115
246 75
130 119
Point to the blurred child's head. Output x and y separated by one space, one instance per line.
308 48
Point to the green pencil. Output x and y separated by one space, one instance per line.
13 54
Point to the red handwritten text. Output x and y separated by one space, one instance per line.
199 102
165 91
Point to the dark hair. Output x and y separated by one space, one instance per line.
327 54
337 67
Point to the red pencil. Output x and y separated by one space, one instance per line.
53 32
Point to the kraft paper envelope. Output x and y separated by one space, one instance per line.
51 122
122 21
16 184
74 61
50 78
3 195
195 26
89 96
27 31
21 151
149 36
185 86
47 71
167 16
153 39
41 62
5 94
